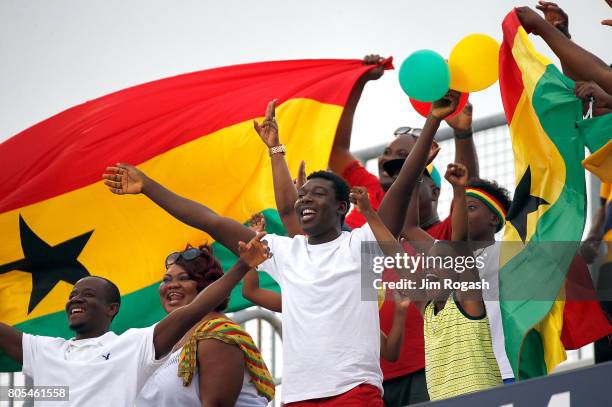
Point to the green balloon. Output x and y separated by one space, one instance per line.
424 76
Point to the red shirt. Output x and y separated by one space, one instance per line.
441 230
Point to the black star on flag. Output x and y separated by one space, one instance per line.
523 204
48 264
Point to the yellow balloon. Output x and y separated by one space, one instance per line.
474 63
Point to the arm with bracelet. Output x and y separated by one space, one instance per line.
285 193
465 150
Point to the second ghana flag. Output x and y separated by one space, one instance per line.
547 216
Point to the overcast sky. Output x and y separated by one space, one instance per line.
59 53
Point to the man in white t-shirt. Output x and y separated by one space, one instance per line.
331 338
98 367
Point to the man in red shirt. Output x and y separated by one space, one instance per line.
404 380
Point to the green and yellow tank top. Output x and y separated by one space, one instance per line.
459 356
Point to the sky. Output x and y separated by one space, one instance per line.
60 53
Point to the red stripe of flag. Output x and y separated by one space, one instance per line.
583 319
510 78
71 149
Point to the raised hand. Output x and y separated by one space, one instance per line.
301 176
608 21
402 302
555 16
445 106
124 179
585 90
456 175
433 152
257 223
374 59
359 197
463 121
530 20
255 252
268 129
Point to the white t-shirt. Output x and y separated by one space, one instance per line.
331 337
165 388
108 370
490 272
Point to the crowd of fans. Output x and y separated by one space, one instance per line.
338 349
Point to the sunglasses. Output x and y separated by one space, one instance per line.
189 254
407 131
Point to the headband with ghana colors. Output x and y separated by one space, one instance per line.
492 203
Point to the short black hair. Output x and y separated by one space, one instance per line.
492 188
341 187
113 296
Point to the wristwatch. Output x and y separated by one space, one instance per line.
463 134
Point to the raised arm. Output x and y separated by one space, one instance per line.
587 90
581 62
559 19
457 176
387 242
420 240
465 150
11 342
589 249
172 328
391 345
393 207
260 296
470 299
341 155
285 193
127 179
250 284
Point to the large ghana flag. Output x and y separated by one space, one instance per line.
547 217
194 134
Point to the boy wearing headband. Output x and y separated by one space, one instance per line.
487 205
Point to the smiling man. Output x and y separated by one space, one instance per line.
99 367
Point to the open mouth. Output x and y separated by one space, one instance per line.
76 311
308 214
174 297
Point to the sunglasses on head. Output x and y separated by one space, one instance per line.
407 131
188 254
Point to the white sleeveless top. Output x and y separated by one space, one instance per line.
490 272
165 388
